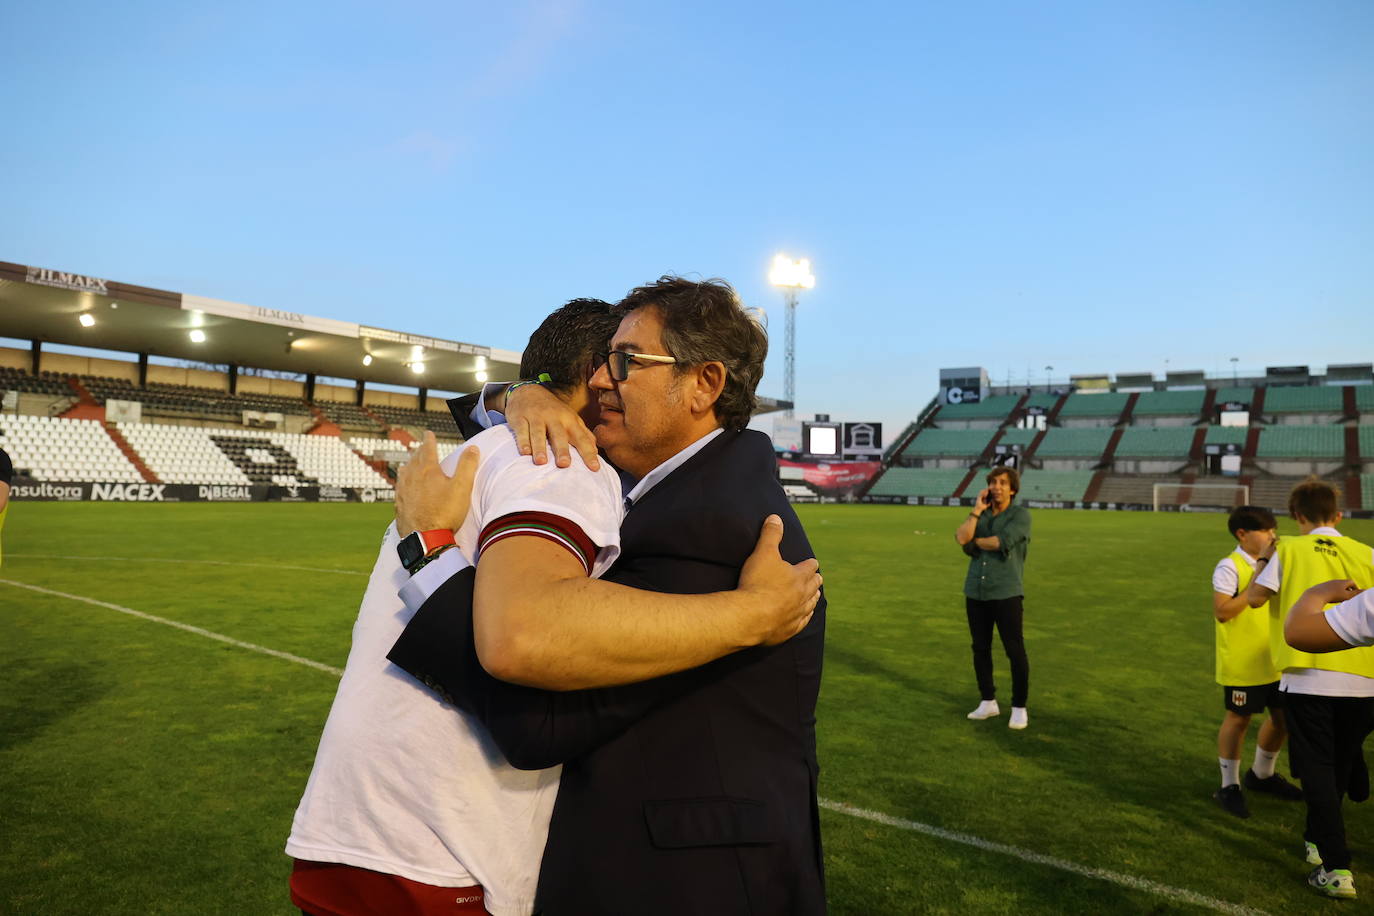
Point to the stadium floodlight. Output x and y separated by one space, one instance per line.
792 277
481 363
481 376
417 367
197 336
367 359
87 319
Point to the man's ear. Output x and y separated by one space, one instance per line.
709 383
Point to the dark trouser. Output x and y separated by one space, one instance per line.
1325 735
1005 614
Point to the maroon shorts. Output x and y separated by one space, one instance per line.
329 889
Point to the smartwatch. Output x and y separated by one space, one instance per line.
419 547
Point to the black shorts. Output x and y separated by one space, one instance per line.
1246 701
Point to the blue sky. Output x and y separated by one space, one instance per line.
1092 186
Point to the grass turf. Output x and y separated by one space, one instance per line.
148 770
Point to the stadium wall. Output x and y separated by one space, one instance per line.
28 490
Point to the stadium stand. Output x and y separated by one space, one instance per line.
1307 441
1226 435
1067 486
935 443
1325 399
416 421
350 417
56 449
1169 403
1235 394
183 454
1018 436
188 402
928 482
1155 442
1108 405
1074 443
993 408
1367 491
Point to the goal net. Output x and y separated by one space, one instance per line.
1184 496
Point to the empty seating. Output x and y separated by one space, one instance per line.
349 416
1169 403
930 443
43 383
1234 395
440 423
1367 491
1301 442
1109 404
53 448
1155 442
931 482
1074 443
1227 435
994 407
1311 399
1067 486
1021 437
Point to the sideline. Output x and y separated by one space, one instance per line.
208 634
1025 855
321 569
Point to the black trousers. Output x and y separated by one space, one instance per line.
1325 735
1005 614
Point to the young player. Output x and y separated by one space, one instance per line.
1249 682
1328 698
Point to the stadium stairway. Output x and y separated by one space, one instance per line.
323 425
129 452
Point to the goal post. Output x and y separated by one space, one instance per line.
1184 496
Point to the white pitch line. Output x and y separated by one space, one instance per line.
321 569
1026 855
199 631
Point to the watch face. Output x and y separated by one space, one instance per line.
411 549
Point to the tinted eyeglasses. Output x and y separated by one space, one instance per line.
618 362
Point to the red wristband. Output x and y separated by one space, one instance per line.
435 538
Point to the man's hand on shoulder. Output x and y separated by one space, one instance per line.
540 419
780 596
427 499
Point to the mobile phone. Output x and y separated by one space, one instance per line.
988 499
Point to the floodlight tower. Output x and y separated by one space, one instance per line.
792 276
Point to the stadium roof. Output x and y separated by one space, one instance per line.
38 303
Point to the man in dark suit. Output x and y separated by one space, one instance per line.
690 793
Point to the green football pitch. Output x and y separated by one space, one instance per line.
153 749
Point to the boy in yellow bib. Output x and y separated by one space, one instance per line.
1329 698
1249 681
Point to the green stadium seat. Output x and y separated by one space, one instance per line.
1021 437
1364 398
1367 491
937 482
1109 404
990 408
1367 442
931 443
1055 485
1074 443
1301 442
1169 403
1042 399
1155 442
1308 399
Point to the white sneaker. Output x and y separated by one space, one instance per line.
986 710
1019 718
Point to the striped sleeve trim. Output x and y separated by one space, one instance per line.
542 525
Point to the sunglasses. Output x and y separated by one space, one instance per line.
617 362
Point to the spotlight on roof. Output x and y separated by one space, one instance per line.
87 319
367 359
417 367
197 336
481 377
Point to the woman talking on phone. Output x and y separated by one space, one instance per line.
995 535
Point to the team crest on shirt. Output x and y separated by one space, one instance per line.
1237 697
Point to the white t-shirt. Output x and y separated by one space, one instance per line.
407 785
1225 577
1314 681
1353 619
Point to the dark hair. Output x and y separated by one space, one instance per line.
1315 500
564 344
1250 518
1013 477
704 322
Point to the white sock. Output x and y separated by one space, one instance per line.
1264 762
1230 772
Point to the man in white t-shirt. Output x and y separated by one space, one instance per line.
410 808
1329 697
1314 625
